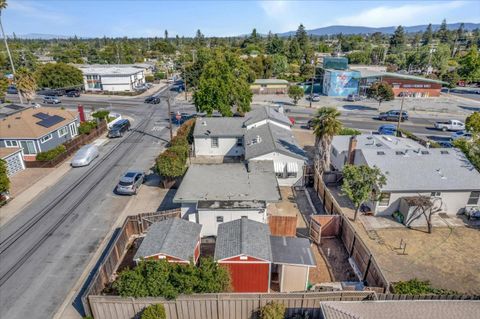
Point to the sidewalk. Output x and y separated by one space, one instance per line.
154 89
26 196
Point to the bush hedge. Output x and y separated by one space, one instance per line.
418 287
149 78
349 131
87 127
160 75
273 310
156 311
51 154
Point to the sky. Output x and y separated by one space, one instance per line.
139 18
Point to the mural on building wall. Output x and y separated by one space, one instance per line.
341 83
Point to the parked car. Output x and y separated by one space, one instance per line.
85 155
450 125
393 115
461 134
73 94
12 89
387 129
353 98
119 128
130 182
51 100
314 98
152 100
310 124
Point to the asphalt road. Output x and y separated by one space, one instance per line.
45 248
468 93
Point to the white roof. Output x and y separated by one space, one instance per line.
371 141
109 70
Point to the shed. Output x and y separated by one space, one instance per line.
243 246
269 86
174 239
292 258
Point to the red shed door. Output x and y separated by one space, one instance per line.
249 277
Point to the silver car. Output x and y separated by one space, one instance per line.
130 182
85 155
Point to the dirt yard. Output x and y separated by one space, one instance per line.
320 273
337 257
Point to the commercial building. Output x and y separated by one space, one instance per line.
340 82
36 130
112 78
269 86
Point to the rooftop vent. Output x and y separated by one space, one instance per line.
444 152
380 153
204 123
257 140
425 152
399 153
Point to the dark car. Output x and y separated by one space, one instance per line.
73 94
12 90
310 124
152 100
119 128
393 115
388 129
353 98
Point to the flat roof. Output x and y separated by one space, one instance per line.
374 141
270 81
366 73
220 182
292 251
230 204
109 70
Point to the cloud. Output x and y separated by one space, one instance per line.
283 15
36 11
407 14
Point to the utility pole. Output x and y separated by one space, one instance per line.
400 115
185 81
311 87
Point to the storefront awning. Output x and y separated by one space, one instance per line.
292 168
279 167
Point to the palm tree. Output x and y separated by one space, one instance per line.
3 5
325 126
26 84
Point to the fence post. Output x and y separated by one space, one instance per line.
323 197
368 268
353 245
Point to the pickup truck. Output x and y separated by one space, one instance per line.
450 125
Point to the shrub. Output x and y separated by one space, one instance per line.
156 311
86 127
349 131
272 310
149 78
171 163
159 75
418 287
4 181
102 114
295 93
51 154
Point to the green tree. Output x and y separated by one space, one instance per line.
3 86
224 85
360 182
172 163
380 91
4 181
58 75
273 310
442 34
427 36
472 123
397 41
451 78
279 64
302 39
325 125
26 84
470 65
295 92
274 44
294 51
156 311
359 57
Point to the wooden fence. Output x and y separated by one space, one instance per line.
72 146
283 225
113 255
221 306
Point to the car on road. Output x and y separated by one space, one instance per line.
119 128
461 134
85 155
130 182
450 125
152 100
310 124
353 98
387 129
51 99
313 98
393 115
73 94
12 89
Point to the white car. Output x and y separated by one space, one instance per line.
461 134
85 155
450 125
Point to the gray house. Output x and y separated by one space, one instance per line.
36 130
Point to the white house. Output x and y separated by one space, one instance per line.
262 135
211 194
411 171
111 78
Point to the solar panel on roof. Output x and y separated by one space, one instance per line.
41 115
50 121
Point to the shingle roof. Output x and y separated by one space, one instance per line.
417 309
23 124
291 250
229 182
263 113
219 127
243 237
269 138
427 170
6 152
174 237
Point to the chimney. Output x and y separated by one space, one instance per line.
81 113
352 145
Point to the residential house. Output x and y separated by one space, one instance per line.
243 246
211 194
219 136
269 86
411 171
37 130
13 159
112 78
175 240
292 259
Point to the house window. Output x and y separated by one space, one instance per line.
291 174
435 194
473 199
46 138
245 217
28 147
214 142
11 143
334 152
243 258
73 129
62 131
219 219
239 141
384 199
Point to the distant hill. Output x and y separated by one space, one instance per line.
345 29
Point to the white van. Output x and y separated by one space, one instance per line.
85 155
